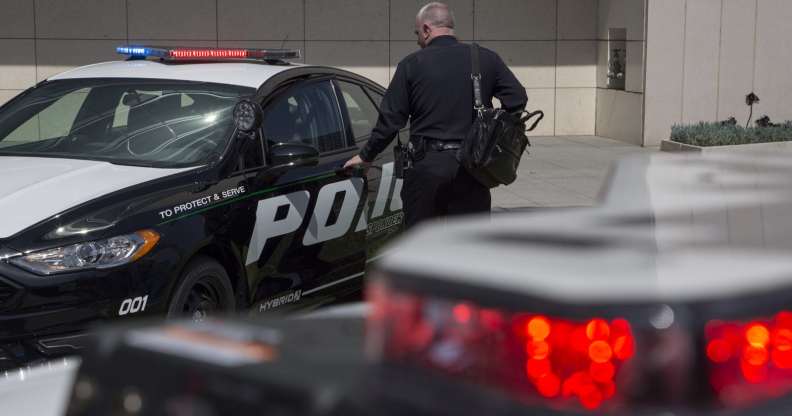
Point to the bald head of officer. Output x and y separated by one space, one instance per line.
433 20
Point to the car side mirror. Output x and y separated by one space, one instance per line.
288 155
247 115
285 156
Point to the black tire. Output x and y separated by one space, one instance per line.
204 289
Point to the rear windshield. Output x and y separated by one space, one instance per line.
126 121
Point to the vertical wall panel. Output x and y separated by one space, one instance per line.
702 39
577 19
16 72
347 19
664 78
81 19
576 111
577 64
260 20
736 58
628 14
602 64
773 82
533 63
620 115
16 19
172 19
515 19
635 66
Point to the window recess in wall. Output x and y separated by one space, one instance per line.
617 58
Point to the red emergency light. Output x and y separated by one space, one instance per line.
571 363
752 360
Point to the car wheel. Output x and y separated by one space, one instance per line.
204 290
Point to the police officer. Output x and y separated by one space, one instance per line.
432 88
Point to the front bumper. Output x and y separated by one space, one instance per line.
45 317
31 336
34 351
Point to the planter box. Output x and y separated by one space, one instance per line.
774 147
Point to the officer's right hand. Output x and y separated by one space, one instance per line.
356 162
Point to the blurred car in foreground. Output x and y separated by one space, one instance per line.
670 298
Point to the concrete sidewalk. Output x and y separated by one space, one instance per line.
562 172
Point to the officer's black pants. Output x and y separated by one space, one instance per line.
438 186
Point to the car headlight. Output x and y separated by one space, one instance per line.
101 254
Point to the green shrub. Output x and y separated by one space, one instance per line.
715 134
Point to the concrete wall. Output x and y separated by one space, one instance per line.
620 113
705 56
550 44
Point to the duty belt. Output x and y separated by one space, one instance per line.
440 145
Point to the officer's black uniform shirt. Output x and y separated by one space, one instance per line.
433 90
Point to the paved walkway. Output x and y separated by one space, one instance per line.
562 171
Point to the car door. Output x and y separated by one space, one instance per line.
306 237
384 217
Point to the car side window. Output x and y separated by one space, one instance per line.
306 114
377 97
362 112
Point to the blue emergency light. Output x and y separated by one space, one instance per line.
208 54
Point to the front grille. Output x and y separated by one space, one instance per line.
6 293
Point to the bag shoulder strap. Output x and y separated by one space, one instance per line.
476 76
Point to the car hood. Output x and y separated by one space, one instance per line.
35 189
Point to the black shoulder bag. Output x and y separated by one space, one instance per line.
494 146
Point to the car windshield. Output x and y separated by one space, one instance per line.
159 123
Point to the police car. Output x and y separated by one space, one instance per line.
184 181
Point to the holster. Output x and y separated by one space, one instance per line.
401 160
417 149
405 156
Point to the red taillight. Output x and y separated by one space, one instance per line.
574 359
569 362
750 361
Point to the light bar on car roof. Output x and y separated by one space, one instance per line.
208 54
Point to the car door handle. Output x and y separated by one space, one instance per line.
351 172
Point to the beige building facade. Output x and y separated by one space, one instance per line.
705 56
702 55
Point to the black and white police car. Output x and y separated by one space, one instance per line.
184 181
